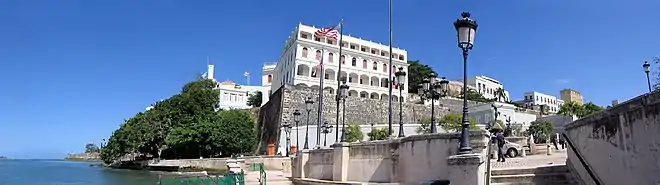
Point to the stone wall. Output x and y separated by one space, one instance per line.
364 111
270 163
620 144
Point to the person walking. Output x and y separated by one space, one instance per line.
500 146
554 141
562 142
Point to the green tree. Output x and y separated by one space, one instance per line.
424 126
378 134
500 95
254 100
417 72
541 129
354 133
590 108
476 96
453 123
185 125
91 148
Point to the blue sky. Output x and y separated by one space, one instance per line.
73 70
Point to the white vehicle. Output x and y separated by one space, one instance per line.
512 149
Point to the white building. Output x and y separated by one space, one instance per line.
487 86
364 64
235 96
534 99
485 113
267 78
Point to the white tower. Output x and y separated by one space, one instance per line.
209 73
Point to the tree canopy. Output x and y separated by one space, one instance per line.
378 134
417 72
454 123
575 109
541 129
91 148
476 96
354 133
254 100
185 125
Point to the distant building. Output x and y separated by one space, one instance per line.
487 86
569 95
535 100
365 64
234 96
484 113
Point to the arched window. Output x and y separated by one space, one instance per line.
385 68
364 64
354 62
270 78
318 54
401 57
304 53
331 57
375 66
343 59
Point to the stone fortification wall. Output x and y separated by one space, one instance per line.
619 144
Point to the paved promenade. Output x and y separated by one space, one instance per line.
557 157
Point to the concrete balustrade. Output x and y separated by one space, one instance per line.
409 160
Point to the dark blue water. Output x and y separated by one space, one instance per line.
55 172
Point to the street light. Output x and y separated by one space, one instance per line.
647 69
308 106
326 129
400 77
343 92
287 131
433 89
296 119
466 28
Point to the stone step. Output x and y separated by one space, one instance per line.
535 178
535 170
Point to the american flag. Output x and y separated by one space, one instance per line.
330 32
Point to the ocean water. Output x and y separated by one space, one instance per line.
58 172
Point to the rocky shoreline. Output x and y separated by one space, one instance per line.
88 157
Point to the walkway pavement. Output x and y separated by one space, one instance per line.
557 158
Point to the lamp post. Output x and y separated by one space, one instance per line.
326 129
343 92
433 89
400 77
647 70
287 131
308 105
296 119
466 28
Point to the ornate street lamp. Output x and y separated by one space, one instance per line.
343 93
466 28
434 90
296 119
401 80
326 129
647 70
287 131
309 103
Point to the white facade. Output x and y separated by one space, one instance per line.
267 78
365 64
487 86
234 96
536 98
484 113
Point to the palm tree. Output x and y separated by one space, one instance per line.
500 95
571 108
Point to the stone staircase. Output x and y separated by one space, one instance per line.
273 177
545 175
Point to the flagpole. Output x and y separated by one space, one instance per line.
389 79
341 32
320 101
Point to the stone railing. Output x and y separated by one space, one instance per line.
409 160
619 145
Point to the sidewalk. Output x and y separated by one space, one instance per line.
557 158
